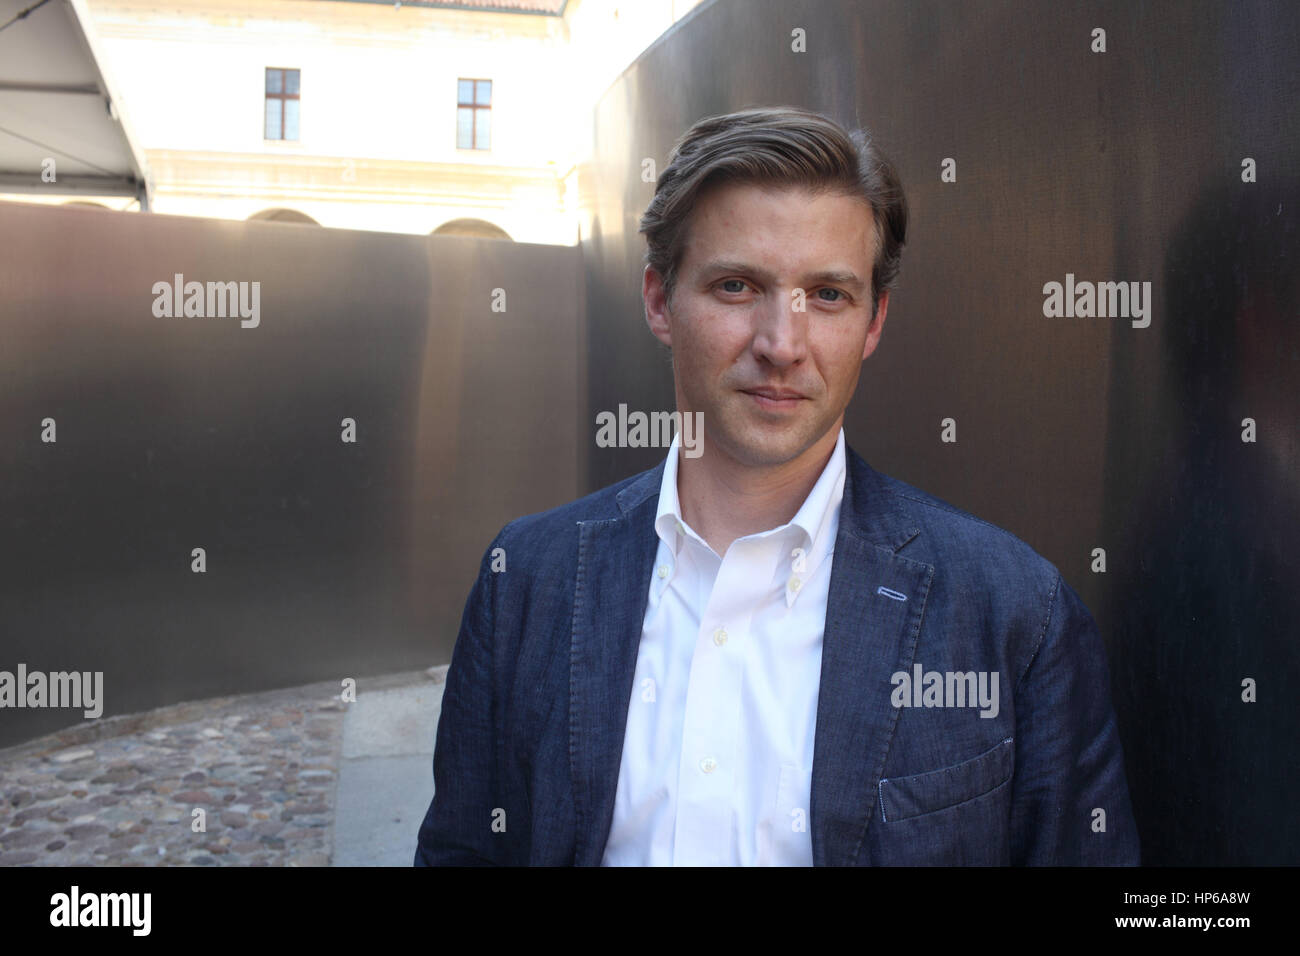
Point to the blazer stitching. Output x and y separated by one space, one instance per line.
481 634
963 766
579 839
1042 633
952 806
955 512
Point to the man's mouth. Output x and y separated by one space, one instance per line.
774 398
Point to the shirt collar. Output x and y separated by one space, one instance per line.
669 523
813 519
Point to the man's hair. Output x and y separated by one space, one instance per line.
775 146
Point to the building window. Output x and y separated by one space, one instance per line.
281 103
473 114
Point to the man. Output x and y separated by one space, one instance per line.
770 653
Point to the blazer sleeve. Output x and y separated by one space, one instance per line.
1069 760
457 829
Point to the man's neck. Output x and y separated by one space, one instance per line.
723 499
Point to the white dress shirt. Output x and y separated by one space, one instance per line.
717 755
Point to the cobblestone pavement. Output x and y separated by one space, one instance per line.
123 791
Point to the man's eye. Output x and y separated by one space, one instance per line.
838 294
739 282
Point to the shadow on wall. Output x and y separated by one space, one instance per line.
1205 596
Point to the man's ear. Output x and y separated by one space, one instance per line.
656 306
876 327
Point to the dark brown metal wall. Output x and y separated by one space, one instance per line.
324 559
1072 433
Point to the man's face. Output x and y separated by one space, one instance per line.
734 325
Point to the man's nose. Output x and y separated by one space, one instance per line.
781 335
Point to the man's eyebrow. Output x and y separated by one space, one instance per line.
832 276
835 277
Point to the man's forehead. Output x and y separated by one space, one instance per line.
840 226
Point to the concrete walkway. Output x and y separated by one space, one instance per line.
386 772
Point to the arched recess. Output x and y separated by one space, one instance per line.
283 215
473 228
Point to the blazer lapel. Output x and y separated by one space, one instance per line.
873 620
610 595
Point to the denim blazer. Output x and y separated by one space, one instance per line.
905 771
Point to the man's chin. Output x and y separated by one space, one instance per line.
765 445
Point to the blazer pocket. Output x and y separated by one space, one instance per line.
904 797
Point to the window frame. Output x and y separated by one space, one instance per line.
475 108
282 97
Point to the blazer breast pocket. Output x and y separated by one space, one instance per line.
902 798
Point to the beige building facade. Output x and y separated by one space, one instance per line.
466 118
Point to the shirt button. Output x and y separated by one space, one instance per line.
663 570
794 584
719 637
708 765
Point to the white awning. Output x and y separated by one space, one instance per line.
56 103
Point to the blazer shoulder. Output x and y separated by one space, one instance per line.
950 534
